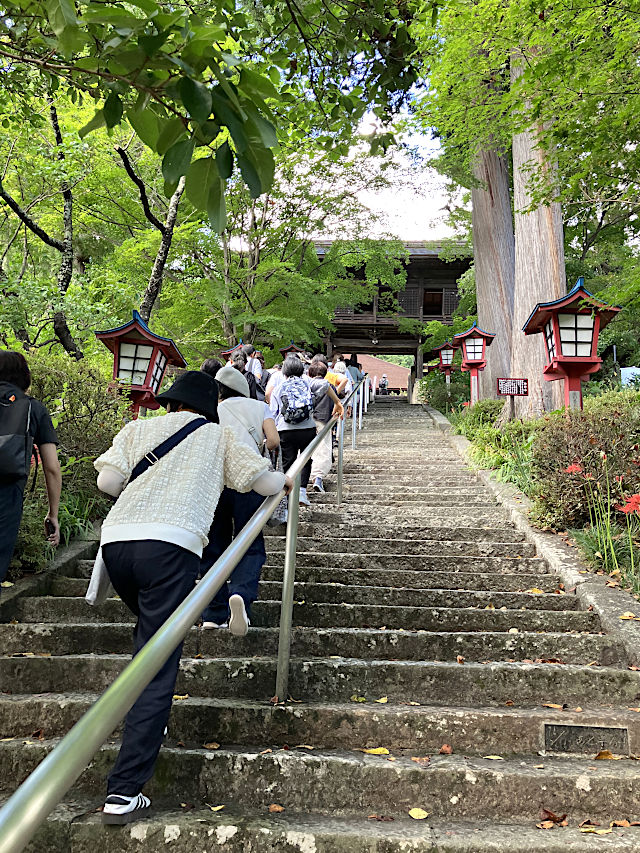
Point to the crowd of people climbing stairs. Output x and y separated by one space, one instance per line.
184 485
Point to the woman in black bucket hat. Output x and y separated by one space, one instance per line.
168 473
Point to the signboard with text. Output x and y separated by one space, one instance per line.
513 387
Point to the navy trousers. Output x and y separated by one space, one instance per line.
11 498
232 513
152 578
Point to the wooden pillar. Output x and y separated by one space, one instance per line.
419 370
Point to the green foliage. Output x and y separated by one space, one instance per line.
483 413
433 391
86 415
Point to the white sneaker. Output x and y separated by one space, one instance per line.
318 485
119 809
239 621
209 625
303 498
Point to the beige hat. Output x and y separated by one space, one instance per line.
232 378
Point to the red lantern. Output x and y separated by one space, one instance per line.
571 327
474 343
140 360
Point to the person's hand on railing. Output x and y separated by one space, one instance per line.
338 411
288 484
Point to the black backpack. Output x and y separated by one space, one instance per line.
16 442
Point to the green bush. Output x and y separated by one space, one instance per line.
603 440
433 391
86 415
473 419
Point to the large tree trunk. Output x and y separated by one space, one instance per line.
539 268
494 262
157 273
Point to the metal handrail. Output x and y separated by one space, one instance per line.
43 789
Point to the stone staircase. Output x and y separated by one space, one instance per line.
417 630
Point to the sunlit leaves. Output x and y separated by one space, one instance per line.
177 159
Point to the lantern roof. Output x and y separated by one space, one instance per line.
474 331
445 345
577 298
137 330
290 348
231 349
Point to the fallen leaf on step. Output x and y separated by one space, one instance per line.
376 750
304 746
181 743
177 697
589 822
214 808
622 823
560 820
356 698
509 703
446 749
426 759
5 739
198 657
538 766
513 631
535 591
459 659
381 817
418 814
546 824
607 755
634 668
629 615
493 757
38 734
552 705
490 606
596 831
6 584
212 745
578 710
187 806
411 703
274 808
265 751
637 710
382 700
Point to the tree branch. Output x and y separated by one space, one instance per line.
144 199
29 222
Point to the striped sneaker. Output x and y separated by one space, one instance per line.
120 809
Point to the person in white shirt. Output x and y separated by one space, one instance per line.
253 425
152 542
253 364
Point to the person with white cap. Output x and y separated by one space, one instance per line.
383 385
253 425
152 542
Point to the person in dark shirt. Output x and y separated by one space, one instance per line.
239 361
15 379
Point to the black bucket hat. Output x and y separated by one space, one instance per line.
196 390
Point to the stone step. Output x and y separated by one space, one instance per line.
461 562
331 543
421 580
75 828
29 639
423 489
336 593
405 530
338 679
196 720
490 520
346 782
425 498
267 614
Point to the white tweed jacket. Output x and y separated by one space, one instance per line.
176 498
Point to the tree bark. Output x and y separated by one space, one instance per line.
157 273
494 262
539 268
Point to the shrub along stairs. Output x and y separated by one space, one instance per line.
437 665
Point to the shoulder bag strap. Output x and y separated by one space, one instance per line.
162 449
249 428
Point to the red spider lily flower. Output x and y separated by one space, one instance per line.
574 469
632 505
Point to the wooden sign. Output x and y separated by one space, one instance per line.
513 387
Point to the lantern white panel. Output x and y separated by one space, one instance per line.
550 339
127 349
447 356
474 349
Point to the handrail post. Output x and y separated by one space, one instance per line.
361 404
367 389
288 581
354 424
340 458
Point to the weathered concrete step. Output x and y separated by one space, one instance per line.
420 580
423 488
425 498
454 518
338 679
196 720
406 530
267 614
397 560
363 643
333 543
336 593
354 783
75 829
